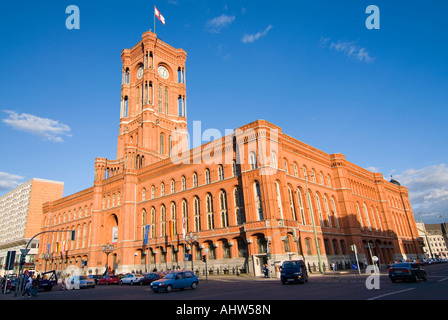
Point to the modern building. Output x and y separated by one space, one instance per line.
252 197
435 239
21 217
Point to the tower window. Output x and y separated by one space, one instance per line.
162 143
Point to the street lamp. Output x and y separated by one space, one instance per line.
107 249
314 224
190 239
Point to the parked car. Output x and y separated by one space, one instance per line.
131 279
150 277
407 271
80 282
175 280
109 279
293 271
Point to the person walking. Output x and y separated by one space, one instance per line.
28 284
35 286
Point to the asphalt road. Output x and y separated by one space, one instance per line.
265 293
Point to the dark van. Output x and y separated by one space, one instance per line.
293 271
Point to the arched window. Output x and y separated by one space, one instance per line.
162 189
253 160
160 98
291 204
197 214
162 221
173 221
274 162
183 183
258 204
235 170
335 213
366 213
143 195
162 143
301 208
279 199
319 210
195 180
185 227
285 165
144 223
359 216
223 209
207 176
209 211
327 211
220 172
296 171
153 222
166 100
173 186
153 192
239 206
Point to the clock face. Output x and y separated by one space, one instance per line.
140 73
163 72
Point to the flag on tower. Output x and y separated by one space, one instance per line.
159 15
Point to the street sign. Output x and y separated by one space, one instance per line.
354 266
10 257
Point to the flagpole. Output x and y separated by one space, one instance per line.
154 19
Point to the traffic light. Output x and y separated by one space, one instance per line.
204 258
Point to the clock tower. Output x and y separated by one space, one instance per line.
153 114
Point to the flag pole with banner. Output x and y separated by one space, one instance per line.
159 16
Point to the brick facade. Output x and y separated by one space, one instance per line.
243 195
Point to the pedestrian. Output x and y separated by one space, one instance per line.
266 271
28 283
35 286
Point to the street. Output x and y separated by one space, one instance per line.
260 292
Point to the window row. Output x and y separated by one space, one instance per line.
171 220
194 182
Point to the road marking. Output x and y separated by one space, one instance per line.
442 279
388 294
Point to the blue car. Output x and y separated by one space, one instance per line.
175 280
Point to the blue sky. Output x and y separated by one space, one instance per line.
378 96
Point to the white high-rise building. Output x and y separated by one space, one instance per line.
21 217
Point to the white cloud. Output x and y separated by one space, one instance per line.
349 48
428 191
49 129
249 38
216 24
9 181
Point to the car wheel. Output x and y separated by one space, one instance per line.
194 285
169 289
121 282
416 278
132 283
425 277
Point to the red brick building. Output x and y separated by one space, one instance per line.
243 196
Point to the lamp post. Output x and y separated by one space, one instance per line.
190 239
314 225
107 249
